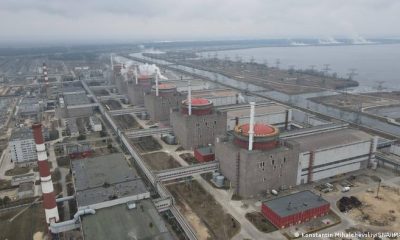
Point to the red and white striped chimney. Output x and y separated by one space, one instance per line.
46 78
49 199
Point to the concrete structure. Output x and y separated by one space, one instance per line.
219 97
28 108
22 147
75 103
294 208
204 154
95 124
159 107
331 153
19 179
72 127
122 222
106 181
49 199
272 113
196 123
26 190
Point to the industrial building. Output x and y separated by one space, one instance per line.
95 124
220 97
332 153
118 200
106 181
271 113
160 102
28 108
22 147
75 103
197 123
141 221
256 160
294 209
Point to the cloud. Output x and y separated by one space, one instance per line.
124 20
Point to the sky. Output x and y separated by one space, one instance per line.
170 20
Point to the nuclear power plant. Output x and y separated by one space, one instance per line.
175 145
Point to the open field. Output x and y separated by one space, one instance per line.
146 144
382 212
160 161
205 215
23 226
126 122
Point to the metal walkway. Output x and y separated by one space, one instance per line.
147 132
181 172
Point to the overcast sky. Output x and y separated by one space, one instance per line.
129 20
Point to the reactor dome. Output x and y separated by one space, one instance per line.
265 136
200 106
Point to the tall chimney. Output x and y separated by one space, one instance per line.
136 79
157 82
251 126
49 199
189 98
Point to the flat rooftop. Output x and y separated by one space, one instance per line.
244 110
103 178
76 99
213 93
330 139
295 203
119 222
21 134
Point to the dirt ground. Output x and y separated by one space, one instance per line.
160 161
112 104
127 122
25 226
201 209
146 144
383 212
260 222
189 158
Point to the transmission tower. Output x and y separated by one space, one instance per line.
277 63
352 73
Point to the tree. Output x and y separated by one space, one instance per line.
6 200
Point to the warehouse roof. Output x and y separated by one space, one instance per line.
94 172
330 139
295 203
244 110
212 93
103 178
119 222
76 99
21 134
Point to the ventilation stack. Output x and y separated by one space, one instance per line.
251 126
49 199
156 82
136 78
189 98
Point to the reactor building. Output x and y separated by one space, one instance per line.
196 123
257 159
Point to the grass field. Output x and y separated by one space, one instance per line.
23 226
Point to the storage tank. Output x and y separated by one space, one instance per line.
219 181
274 192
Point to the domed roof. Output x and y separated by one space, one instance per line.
198 102
260 129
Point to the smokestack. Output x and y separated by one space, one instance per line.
251 126
189 98
136 79
49 199
156 82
